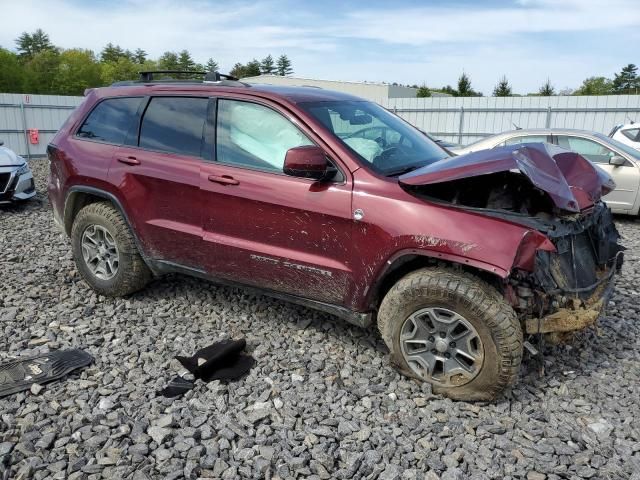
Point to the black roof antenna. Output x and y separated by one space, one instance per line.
631 121
516 126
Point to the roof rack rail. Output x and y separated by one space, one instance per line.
148 76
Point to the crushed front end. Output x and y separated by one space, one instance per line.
565 286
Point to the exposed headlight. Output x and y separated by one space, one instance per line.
22 170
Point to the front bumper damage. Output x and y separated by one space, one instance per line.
569 288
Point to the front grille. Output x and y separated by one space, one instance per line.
4 181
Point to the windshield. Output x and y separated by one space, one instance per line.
620 146
382 140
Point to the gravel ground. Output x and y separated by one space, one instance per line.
322 401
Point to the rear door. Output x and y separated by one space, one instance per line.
158 174
262 227
626 176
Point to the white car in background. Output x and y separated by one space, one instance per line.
627 134
16 179
619 160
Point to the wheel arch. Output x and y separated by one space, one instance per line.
79 197
405 262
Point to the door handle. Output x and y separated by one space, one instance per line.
223 179
129 160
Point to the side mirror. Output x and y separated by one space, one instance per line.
308 161
617 161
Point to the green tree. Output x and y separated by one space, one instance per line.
423 91
464 87
13 74
121 69
252 69
267 66
238 70
36 42
40 71
169 61
283 66
627 81
112 53
139 56
77 70
211 65
547 90
503 89
185 61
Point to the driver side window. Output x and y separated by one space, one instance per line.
254 136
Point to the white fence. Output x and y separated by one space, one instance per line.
20 113
465 120
461 120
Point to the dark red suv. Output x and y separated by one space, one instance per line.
333 202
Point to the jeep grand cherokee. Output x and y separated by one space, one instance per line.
333 202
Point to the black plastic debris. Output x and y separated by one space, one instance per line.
19 375
177 386
222 360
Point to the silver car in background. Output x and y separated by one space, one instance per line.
620 161
16 179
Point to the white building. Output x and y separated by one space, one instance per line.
370 91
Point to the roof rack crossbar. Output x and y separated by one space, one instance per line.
147 76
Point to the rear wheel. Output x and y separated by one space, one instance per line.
105 252
454 331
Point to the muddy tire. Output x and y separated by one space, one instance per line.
105 252
454 331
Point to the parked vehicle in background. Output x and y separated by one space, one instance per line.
619 160
333 202
627 134
442 143
16 179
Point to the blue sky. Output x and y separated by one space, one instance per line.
403 41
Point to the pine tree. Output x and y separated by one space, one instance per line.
139 56
627 81
111 53
503 89
547 89
267 66
185 62
283 66
30 44
211 65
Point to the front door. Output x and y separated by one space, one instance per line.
626 176
264 228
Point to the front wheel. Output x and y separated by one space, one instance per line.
454 331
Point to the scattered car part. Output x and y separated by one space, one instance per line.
16 179
222 360
19 375
621 161
333 202
176 387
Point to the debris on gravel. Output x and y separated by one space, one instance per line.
322 401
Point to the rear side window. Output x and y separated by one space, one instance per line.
174 125
526 139
632 134
110 120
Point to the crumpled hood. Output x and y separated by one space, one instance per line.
572 182
8 158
